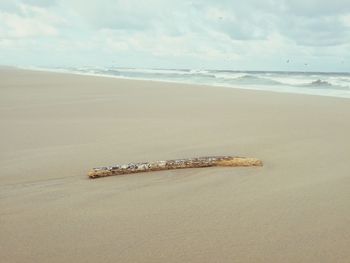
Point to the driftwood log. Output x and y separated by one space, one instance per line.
200 162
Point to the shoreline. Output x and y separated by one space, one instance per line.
302 92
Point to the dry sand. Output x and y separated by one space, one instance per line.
55 127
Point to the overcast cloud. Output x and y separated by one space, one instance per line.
253 34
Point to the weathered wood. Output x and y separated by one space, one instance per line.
173 164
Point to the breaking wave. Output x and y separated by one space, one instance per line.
328 84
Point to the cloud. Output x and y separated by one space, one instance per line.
316 31
28 21
317 8
250 33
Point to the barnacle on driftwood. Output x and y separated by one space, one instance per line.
199 162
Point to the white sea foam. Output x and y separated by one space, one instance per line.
325 84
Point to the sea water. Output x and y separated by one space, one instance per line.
316 83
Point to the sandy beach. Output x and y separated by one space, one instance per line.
55 127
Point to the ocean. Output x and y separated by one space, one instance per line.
315 83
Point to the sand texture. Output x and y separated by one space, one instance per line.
56 127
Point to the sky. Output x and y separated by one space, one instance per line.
287 35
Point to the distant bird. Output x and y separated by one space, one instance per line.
287 60
305 64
